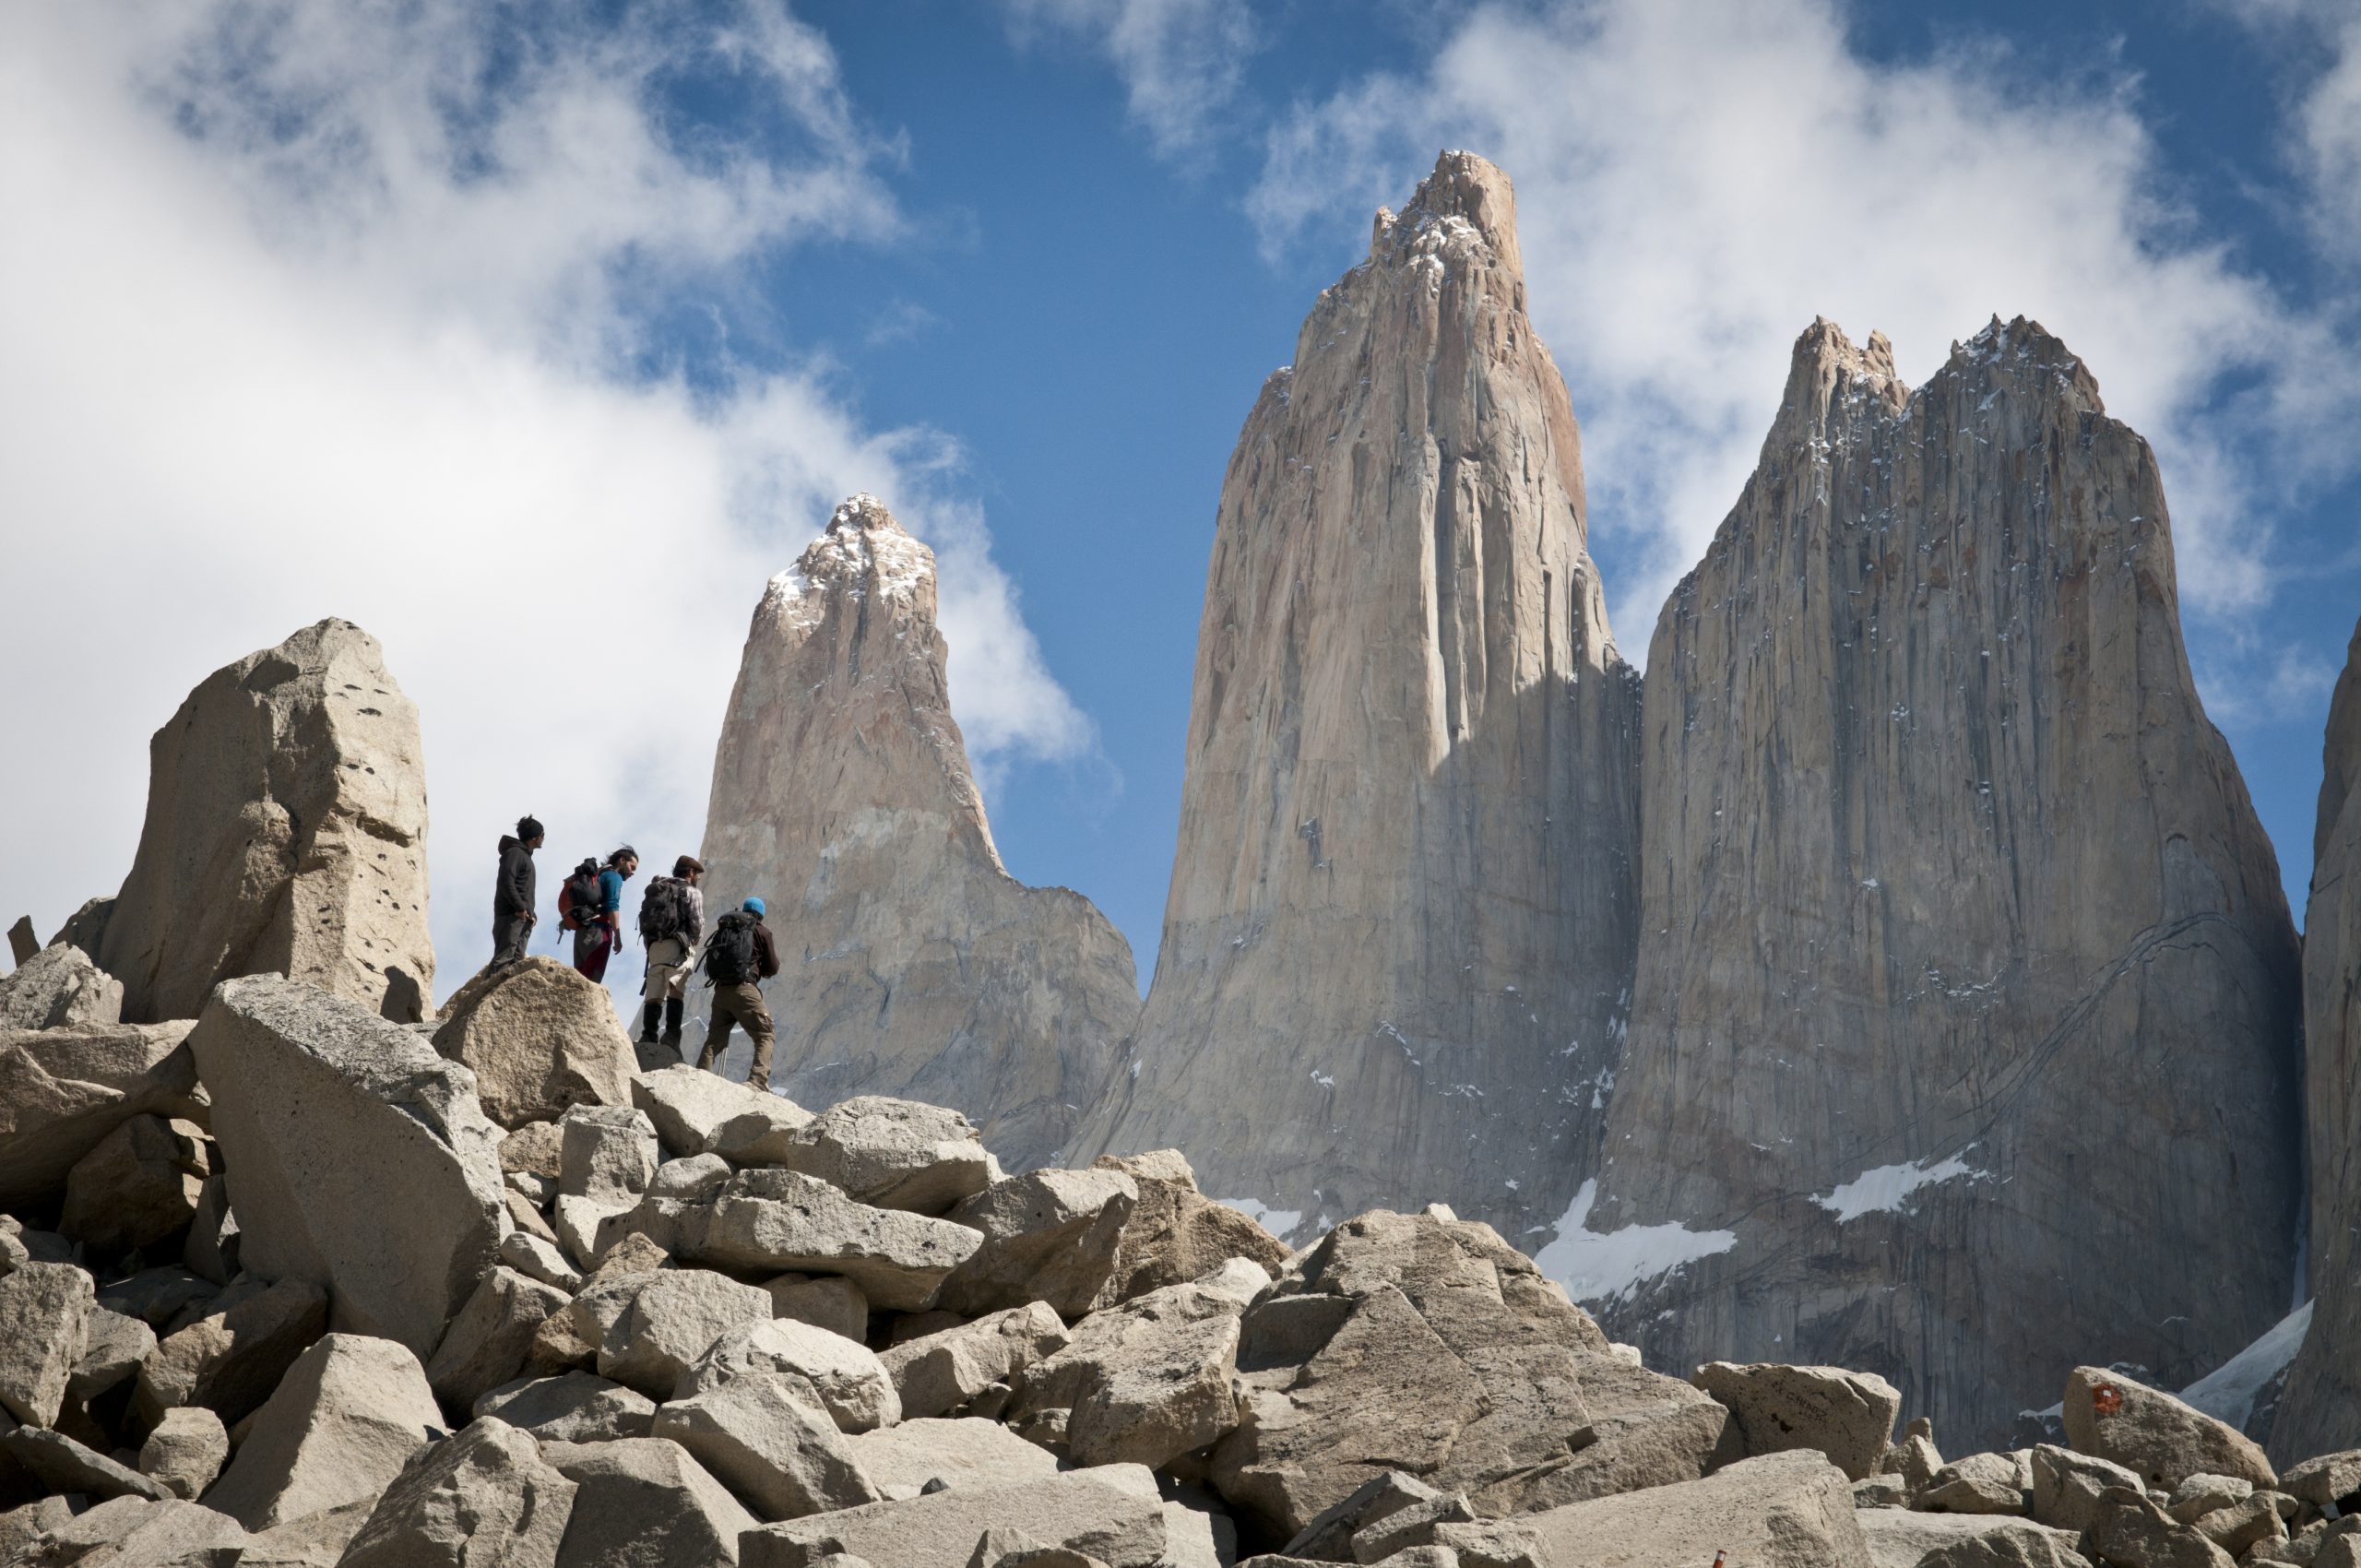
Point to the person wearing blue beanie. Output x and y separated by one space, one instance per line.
738 958
754 907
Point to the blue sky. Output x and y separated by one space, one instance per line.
374 312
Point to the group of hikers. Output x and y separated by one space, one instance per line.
735 959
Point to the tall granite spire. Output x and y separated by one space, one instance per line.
1400 928
914 964
1963 1020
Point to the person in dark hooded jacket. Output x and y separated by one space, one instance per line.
513 892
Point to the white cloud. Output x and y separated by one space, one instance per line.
2328 125
1696 182
1181 62
322 310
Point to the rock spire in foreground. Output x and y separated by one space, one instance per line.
2323 1402
913 963
285 833
1963 1041
1400 926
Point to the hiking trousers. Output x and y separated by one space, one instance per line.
740 1004
509 934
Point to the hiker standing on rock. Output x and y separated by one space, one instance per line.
738 959
513 892
671 917
598 919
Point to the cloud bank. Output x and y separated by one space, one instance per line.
349 309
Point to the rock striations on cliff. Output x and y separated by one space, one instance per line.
2323 1401
1400 927
285 833
913 963
1962 1044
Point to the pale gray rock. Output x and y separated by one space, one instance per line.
1174 1235
671 1321
1400 930
2067 1486
1928 684
358 1159
45 1321
892 1153
698 1112
913 963
691 1180
2154 1434
540 1039
186 1451
537 1259
642 1502
2248 1523
902 1460
60 1464
771 1443
133 1532
1902 1539
2202 1494
213 1249
1113 1512
316 1540
607 1153
64 1091
2325 1479
938 1373
575 1337
783 1220
285 833
114 1348
1980 1483
841 1376
536 1148
338 1429
2133 1532
1788 1510
575 1407
59 988
230 1357
832 1303
1053 1236
2321 1410
487 1342
578 1223
1846 1416
139 1185
1328 1536
23 1526
483 1499
1145 1383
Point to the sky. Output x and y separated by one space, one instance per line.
479 325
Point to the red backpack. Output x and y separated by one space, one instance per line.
579 900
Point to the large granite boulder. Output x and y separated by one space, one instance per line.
782 1221
541 1038
1846 1416
230 1350
892 1153
140 1185
338 1429
484 1499
938 1373
914 965
1791 1510
642 1502
358 1159
62 1090
44 1320
285 833
2154 1434
59 988
1427 1345
1938 826
1111 1514
1398 943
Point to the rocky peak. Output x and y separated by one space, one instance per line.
862 551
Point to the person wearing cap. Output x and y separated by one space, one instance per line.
672 919
739 956
601 937
513 892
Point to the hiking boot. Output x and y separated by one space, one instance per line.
647 1017
671 1040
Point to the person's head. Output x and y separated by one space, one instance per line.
529 832
688 868
754 907
626 860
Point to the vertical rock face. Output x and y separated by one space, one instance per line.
1962 1025
285 833
1401 925
2323 1410
912 963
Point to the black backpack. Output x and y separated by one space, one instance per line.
663 910
579 900
729 956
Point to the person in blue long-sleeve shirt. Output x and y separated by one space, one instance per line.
601 937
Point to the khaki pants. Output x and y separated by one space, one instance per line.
739 1005
667 970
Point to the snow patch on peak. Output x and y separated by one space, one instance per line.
1610 1264
2229 1391
1277 1222
1883 1190
861 538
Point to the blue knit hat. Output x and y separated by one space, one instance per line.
755 906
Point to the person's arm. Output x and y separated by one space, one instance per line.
696 917
512 881
765 952
610 898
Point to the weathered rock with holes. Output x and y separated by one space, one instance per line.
186 1451
1145 1383
62 1091
285 833
231 1359
1051 1236
541 1038
1113 1512
488 1341
770 1443
939 1373
59 988
45 1322
1929 685
575 1407
642 1502
672 1319
483 1499
337 1429
358 1159
914 965
2154 1433
1847 1416
139 1185
892 1153
783 1220
841 1376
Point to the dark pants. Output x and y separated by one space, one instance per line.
740 1004
509 934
